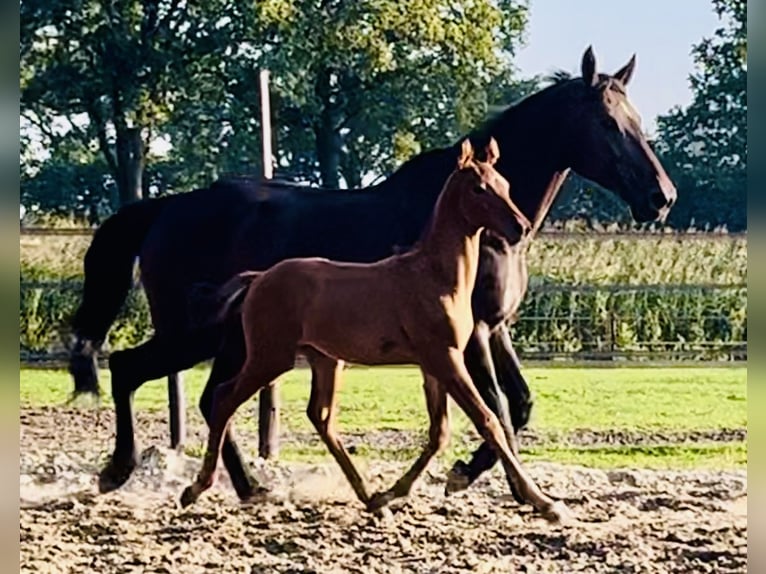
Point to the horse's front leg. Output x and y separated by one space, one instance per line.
509 377
438 437
478 360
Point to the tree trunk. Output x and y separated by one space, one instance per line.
328 151
130 165
328 140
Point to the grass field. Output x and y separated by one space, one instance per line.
634 417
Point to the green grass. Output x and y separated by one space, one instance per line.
566 399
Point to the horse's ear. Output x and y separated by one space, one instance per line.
588 67
466 153
492 151
626 72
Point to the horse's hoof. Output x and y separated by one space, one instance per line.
114 475
384 514
188 496
254 495
457 478
379 501
556 512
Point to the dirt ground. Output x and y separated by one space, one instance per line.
623 520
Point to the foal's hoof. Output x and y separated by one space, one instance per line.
556 512
188 496
115 474
516 495
457 478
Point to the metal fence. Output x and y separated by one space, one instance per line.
597 339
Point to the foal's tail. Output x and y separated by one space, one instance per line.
108 267
213 305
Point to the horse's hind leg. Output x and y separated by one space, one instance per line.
323 410
450 370
438 437
227 398
227 364
130 369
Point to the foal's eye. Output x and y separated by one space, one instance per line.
479 188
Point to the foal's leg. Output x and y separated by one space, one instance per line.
450 370
228 362
478 360
228 397
438 437
241 479
323 412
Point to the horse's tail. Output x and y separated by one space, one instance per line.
210 304
108 267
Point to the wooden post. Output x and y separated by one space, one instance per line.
177 405
268 399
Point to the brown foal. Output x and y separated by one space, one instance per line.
411 308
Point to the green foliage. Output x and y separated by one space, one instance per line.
106 78
660 322
350 78
45 314
705 144
357 89
574 317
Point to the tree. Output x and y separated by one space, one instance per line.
705 144
357 88
111 73
361 86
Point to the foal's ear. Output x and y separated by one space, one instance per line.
492 151
588 67
466 153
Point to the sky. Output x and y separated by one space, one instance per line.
660 32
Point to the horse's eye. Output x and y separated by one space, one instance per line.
479 188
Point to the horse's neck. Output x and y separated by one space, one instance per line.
533 154
450 246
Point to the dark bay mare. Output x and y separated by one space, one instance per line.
209 235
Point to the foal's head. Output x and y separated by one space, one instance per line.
484 194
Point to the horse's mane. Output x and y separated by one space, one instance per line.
497 114
558 77
480 133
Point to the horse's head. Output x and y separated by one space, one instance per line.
608 145
485 194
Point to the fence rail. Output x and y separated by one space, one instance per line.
558 233
598 337
536 333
